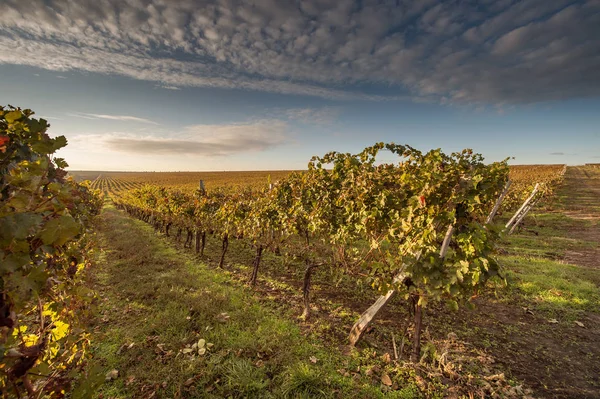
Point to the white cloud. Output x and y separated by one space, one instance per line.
201 140
461 52
316 116
167 87
122 118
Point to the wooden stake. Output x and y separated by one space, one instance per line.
521 217
498 203
395 349
527 201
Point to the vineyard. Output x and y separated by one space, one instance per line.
183 181
523 178
110 185
356 218
430 276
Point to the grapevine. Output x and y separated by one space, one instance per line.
44 219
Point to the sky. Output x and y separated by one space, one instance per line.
168 85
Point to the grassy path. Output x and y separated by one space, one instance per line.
156 304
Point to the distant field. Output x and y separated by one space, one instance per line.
521 175
186 181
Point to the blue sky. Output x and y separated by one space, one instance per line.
232 85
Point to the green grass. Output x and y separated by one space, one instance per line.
546 235
155 302
554 287
537 274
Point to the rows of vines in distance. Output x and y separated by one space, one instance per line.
110 185
523 178
187 181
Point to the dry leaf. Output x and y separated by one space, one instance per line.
386 380
580 324
223 317
189 382
111 375
313 359
553 321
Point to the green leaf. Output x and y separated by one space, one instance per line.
453 305
18 226
61 163
60 230
12 116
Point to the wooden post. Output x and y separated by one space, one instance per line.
527 201
416 349
224 250
197 240
498 202
306 289
256 264
202 189
521 217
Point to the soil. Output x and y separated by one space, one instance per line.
582 189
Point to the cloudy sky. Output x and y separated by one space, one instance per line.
266 84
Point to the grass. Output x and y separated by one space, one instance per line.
156 303
553 287
537 274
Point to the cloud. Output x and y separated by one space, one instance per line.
167 87
122 118
50 118
316 116
557 153
492 52
205 140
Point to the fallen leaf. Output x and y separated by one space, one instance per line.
553 321
313 359
112 375
189 382
223 317
386 380
580 324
